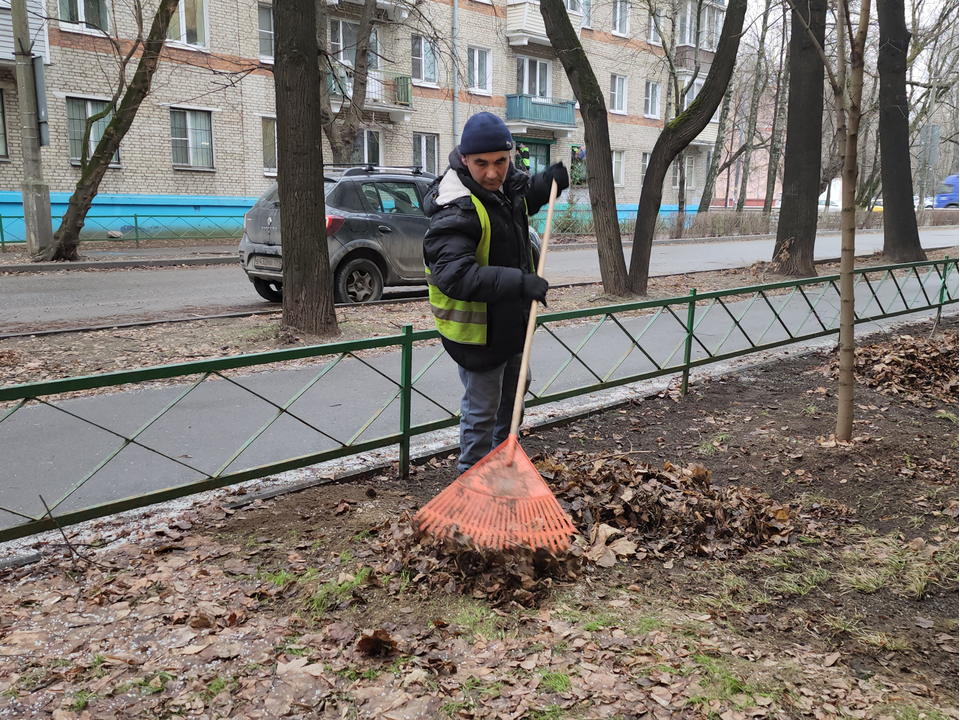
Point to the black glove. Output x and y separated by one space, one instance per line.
534 287
559 173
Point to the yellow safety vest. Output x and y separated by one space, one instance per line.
458 320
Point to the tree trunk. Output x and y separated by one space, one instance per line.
848 218
676 135
680 220
307 280
776 129
901 239
797 227
67 238
714 171
596 135
758 86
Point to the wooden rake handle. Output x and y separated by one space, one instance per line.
531 323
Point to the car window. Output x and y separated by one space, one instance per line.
345 197
393 196
372 196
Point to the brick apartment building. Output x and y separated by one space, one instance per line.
205 137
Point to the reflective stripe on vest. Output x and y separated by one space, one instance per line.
458 320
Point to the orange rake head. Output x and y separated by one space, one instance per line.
500 502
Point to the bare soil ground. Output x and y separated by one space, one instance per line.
791 576
48 357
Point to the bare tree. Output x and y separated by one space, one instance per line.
121 110
307 282
758 89
776 129
593 110
676 136
713 172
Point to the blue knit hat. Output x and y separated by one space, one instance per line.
483 133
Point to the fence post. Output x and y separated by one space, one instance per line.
688 346
3 242
136 229
943 287
406 388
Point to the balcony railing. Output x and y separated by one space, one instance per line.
383 87
541 110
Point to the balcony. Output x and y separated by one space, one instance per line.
529 111
387 91
395 10
525 23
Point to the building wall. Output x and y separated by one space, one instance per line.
229 79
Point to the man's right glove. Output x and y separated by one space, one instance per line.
534 287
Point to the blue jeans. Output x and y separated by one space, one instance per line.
486 410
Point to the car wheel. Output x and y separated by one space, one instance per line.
359 280
269 289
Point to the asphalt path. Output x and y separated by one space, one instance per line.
31 301
200 434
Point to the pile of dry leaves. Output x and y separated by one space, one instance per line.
624 510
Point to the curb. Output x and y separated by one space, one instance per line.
119 264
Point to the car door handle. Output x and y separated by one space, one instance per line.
385 229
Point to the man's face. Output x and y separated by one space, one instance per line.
488 169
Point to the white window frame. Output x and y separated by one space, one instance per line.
651 93
81 25
686 26
620 21
181 41
687 176
692 93
86 99
474 65
261 32
710 34
270 172
423 137
525 90
644 164
619 156
213 156
366 146
691 171
618 104
653 36
425 44
586 8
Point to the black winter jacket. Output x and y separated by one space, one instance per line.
450 248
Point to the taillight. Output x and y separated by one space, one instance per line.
334 223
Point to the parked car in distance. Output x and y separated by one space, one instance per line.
948 196
375 229
834 204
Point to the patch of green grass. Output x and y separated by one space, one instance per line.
363 535
81 698
346 556
282 577
909 712
838 624
217 686
10 692
477 619
332 593
600 621
709 447
944 415
550 712
799 584
883 641
811 410
61 662
453 708
555 682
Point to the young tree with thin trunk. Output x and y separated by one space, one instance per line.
713 172
122 110
596 131
676 136
776 128
307 281
758 88
797 226
901 239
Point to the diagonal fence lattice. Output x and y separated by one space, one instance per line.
81 448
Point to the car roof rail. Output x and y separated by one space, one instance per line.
370 168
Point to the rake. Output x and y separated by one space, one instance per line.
502 501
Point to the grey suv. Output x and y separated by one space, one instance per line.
375 229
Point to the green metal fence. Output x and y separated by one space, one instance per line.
285 401
136 227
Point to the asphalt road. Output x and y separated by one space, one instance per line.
79 298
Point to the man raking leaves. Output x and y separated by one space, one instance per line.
484 291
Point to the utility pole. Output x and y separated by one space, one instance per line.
36 194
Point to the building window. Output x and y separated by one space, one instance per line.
618 94
189 23
651 100
91 13
621 17
78 111
711 23
423 54
426 151
265 18
533 77
692 93
689 170
586 9
366 148
644 162
478 69
686 23
653 34
4 152
539 156
269 146
618 167
343 44
191 138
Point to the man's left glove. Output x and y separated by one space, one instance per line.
559 173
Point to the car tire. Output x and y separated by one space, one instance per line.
358 280
269 289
